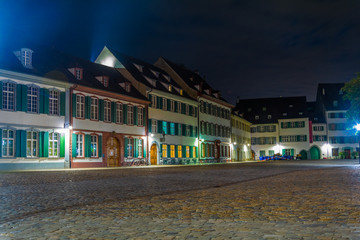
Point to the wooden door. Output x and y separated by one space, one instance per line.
153 154
112 150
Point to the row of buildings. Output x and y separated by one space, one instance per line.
60 111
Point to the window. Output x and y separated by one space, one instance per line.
79 145
33 99
194 151
164 106
179 151
78 73
269 116
119 113
54 102
107 111
53 144
172 151
335 103
130 115
180 129
256 117
335 151
301 124
318 128
264 109
8 96
140 116
164 150
80 106
140 148
8 138
188 131
153 101
172 128
194 132
288 152
154 126
127 87
32 144
26 57
131 148
164 129
187 109
262 153
94 108
94 145
179 107
172 105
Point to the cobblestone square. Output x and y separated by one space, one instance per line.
271 200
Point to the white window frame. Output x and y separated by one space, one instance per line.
94 108
94 143
154 126
54 144
33 99
140 116
172 106
26 57
140 148
164 106
179 107
130 115
9 96
80 106
32 144
130 148
8 143
153 101
80 139
119 113
107 111
54 102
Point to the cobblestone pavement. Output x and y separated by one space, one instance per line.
275 200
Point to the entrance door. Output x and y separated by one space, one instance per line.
153 154
112 150
347 153
217 149
314 153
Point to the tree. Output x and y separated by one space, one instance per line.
352 93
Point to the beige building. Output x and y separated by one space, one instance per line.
240 138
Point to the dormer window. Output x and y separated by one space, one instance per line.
269 116
323 91
170 88
25 56
335 103
341 92
155 73
256 117
249 109
78 73
264 109
139 67
217 95
181 92
290 106
127 86
104 80
300 113
191 78
284 114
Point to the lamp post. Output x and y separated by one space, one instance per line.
357 127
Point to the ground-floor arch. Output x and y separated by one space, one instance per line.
153 154
303 154
314 152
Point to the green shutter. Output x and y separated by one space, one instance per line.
161 102
305 138
125 113
149 97
46 144
292 152
23 143
183 127
100 146
87 146
168 105
176 106
168 151
74 105
184 151
62 104
283 152
1 133
168 128
298 138
191 131
126 143
73 145
24 98
183 108
176 151
190 110
288 124
46 97
136 150
87 107
149 126
113 112
176 129
135 115
20 143
1 90
62 145
159 122
144 149
282 125
18 97
157 102
101 109
280 138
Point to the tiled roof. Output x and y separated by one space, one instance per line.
269 110
331 96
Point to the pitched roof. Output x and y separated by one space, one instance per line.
315 113
194 80
331 96
148 74
277 108
53 64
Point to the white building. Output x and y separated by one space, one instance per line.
240 138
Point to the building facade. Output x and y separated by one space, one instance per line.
240 138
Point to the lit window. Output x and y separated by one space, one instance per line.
8 96
164 150
54 102
94 145
131 148
107 111
172 128
32 144
119 113
53 144
8 138
79 145
130 114
140 116
179 151
80 106
33 99
187 151
172 151
140 148
194 151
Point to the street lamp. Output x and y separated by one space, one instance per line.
357 128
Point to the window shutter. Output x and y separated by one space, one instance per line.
157 102
183 108
282 125
126 146
305 138
168 105
191 131
41 144
190 110
101 109
99 146
288 124
149 126
196 131
18 97
1 99
150 97
159 122
191 152
87 146
168 128
176 151
298 138
144 149
62 104
144 116
1 133
125 113
62 145
46 144
24 98
161 102
292 152
280 138
46 100
135 109
176 129
113 112
87 107
136 150
18 143
296 124
176 105
73 145
74 105
183 128
184 151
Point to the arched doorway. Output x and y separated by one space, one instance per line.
303 154
153 154
112 150
315 152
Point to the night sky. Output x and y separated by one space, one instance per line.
249 49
